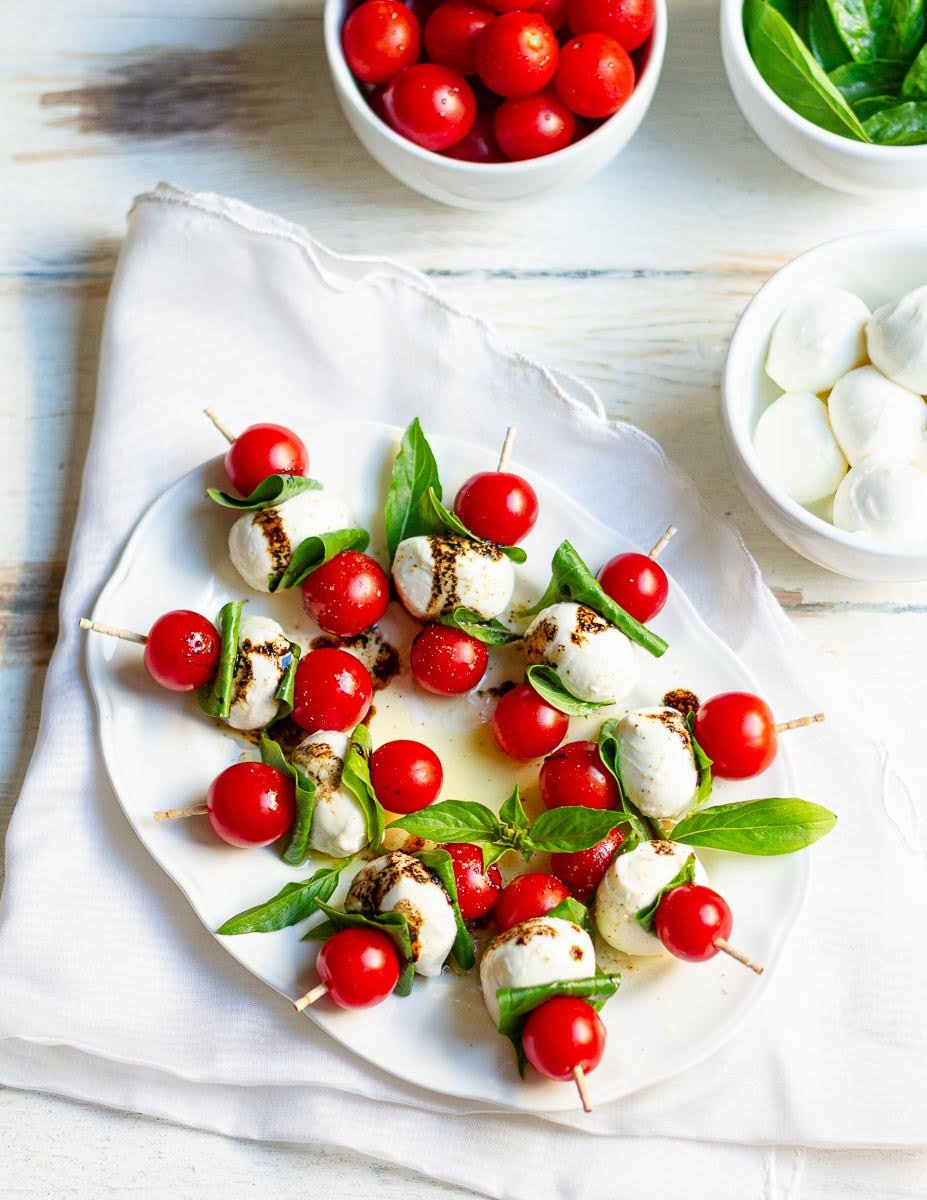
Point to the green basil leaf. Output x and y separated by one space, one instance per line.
880 29
453 821
817 29
215 699
296 847
861 81
392 923
564 830
292 904
771 826
355 776
513 812
550 687
642 828
686 874
789 68
313 552
440 863
517 1004
703 764
914 85
452 524
573 910
274 490
492 632
572 580
903 125
285 692
873 104
414 472
793 11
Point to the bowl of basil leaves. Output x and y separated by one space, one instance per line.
836 88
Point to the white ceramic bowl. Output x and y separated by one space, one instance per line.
828 158
489 185
878 267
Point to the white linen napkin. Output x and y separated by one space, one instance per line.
111 989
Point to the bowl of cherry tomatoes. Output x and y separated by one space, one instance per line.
487 103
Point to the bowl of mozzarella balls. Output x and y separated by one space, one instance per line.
823 405
489 103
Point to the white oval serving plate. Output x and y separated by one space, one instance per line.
160 753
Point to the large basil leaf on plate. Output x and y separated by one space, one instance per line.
903 125
292 904
776 825
392 923
274 490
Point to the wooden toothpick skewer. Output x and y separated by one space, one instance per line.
800 723
175 814
506 448
223 429
113 631
663 542
310 997
579 1077
734 953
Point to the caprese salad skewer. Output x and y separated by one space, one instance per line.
738 732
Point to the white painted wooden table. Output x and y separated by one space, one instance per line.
633 284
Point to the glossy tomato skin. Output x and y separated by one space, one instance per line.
533 126
629 22
527 896
251 804
595 75
262 450
182 651
406 775
525 726
689 921
379 39
346 595
517 54
738 733
479 145
562 1034
451 34
477 890
360 967
498 505
333 690
575 774
447 662
430 105
583 870
637 582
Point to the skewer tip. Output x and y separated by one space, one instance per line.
223 429
310 997
738 956
506 448
579 1078
176 814
661 545
800 722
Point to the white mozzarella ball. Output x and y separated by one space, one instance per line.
339 827
870 415
658 766
261 543
818 338
542 950
399 883
264 653
436 574
897 339
632 882
795 443
593 658
888 501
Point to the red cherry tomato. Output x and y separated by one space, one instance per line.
406 775
430 105
528 896
582 870
517 54
595 76
333 691
375 100
629 22
477 890
637 582
182 651
451 34
554 12
347 594
262 450
379 39
533 126
360 967
562 1034
251 804
525 726
507 6
575 774
689 921
738 733
447 662
479 145
498 505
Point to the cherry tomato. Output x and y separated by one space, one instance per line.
517 54
595 76
637 582
554 12
447 662
333 691
479 145
251 804
406 775
360 967
182 651
528 896
738 733
451 34
430 105
629 22
375 100
379 39
582 870
506 6
498 505
262 450
347 594
533 126
477 890
575 774
690 919
525 726
562 1034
